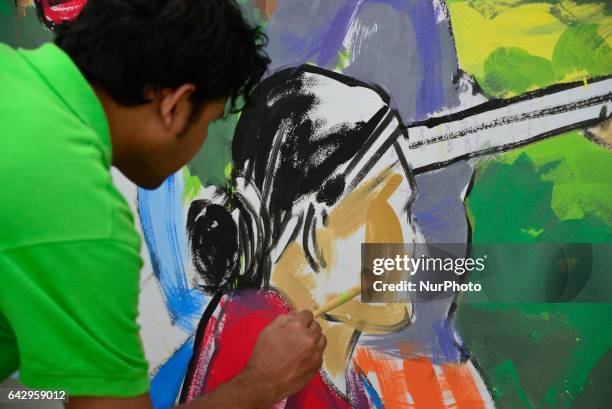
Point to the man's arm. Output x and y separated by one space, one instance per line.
288 353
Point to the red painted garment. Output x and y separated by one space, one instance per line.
229 339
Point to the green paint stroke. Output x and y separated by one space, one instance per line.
505 374
4 7
596 393
192 186
581 49
344 59
210 163
513 71
543 355
580 172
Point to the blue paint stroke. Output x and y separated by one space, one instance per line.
438 219
445 341
163 225
372 394
166 384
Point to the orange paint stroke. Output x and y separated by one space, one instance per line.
423 384
415 384
389 376
461 382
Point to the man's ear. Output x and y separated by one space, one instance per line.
175 106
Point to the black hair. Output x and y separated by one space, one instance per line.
279 148
128 47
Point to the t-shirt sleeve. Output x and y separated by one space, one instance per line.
73 309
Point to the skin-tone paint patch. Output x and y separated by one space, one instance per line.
383 225
373 318
288 276
351 212
603 133
338 341
368 206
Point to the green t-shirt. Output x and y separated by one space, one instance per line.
69 252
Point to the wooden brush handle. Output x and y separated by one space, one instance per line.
337 301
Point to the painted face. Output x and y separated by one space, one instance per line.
373 209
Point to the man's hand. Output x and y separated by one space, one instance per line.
288 353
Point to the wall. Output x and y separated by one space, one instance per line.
551 191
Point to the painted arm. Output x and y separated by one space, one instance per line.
500 125
288 353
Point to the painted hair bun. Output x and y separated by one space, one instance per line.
213 238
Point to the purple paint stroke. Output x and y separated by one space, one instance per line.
357 391
296 45
336 33
324 46
439 217
446 338
338 28
431 93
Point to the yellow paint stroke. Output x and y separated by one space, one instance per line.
368 205
290 277
382 223
338 349
530 27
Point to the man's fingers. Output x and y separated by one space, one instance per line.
280 320
322 342
305 317
315 330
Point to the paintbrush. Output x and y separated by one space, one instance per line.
337 301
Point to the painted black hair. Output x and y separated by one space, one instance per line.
279 148
130 46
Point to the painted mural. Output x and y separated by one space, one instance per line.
387 121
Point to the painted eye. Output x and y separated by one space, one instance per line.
55 12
